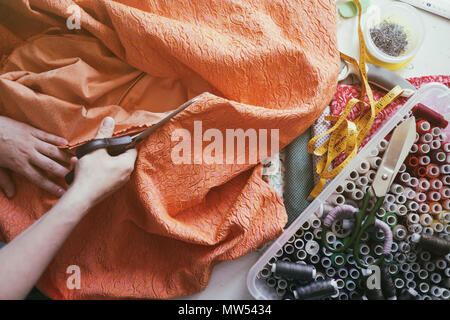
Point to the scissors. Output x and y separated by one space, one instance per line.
400 143
119 145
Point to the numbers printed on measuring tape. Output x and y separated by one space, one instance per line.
346 135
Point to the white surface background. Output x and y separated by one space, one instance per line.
228 280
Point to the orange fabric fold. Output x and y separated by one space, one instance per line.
258 64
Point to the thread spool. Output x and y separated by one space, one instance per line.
424 149
436 184
433 117
423 127
289 248
444 169
424 208
413 182
404 178
308 236
433 196
396 189
426 138
426 220
375 162
354 273
435 144
413 218
389 198
413 161
415 267
446 204
314 259
433 171
415 228
357 195
317 290
382 145
412 205
399 283
427 230
400 199
424 160
301 254
393 269
436 131
342 273
437 227
446 180
433 244
362 181
441 264
409 193
424 287
394 247
353 175
363 167
336 199
435 208
438 156
306 225
330 272
423 274
325 262
445 192
429 266
446 147
400 232
299 244
424 184
294 271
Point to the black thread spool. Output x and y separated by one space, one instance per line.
316 290
436 245
387 284
294 271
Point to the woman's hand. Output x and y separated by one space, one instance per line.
32 153
97 174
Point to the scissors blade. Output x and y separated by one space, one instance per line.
399 146
144 134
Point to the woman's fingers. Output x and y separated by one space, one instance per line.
6 184
48 137
106 128
42 181
53 152
52 167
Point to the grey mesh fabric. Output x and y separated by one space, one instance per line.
299 179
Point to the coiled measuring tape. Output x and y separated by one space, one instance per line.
346 135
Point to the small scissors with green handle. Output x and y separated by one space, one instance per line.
399 146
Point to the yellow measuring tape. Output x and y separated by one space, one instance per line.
346 135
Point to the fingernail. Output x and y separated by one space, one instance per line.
108 122
64 142
61 191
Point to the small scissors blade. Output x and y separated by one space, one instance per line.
144 134
399 146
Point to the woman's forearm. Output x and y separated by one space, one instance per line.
25 258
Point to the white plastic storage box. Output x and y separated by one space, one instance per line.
434 95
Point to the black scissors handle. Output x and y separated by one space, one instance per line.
114 147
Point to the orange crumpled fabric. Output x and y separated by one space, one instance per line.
263 63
